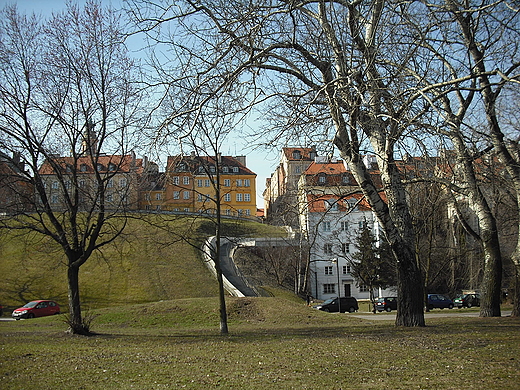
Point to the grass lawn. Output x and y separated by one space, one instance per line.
274 343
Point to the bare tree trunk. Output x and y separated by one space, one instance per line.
75 320
515 312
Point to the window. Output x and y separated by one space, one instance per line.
326 226
147 196
200 183
227 182
239 182
54 185
158 207
110 183
82 183
297 155
248 212
207 183
83 168
297 169
176 194
247 183
186 180
331 204
239 197
227 197
175 180
344 226
199 198
109 198
327 248
345 179
225 169
54 199
235 169
362 224
322 179
212 169
111 167
228 212
122 182
247 197
363 288
186 195
345 248
158 196
328 270
346 269
329 288
100 167
186 210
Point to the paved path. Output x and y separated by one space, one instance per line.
434 314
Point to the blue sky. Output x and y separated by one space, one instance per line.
262 163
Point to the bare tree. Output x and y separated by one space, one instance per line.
59 78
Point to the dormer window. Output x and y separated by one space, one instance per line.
83 168
297 155
112 167
225 169
322 178
99 167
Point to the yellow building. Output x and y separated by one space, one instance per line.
191 185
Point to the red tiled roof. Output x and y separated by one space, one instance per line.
194 161
123 164
304 153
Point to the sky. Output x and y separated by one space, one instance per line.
262 163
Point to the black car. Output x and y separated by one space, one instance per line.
467 300
349 304
439 301
386 304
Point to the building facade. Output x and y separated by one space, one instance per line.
281 193
191 185
332 213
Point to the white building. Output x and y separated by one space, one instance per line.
332 211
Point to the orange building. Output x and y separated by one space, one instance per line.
191 185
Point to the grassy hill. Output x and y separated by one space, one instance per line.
150 262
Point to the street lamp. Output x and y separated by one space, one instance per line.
335 260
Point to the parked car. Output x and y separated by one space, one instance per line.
349 304
467 300
386 304
439 301
40 308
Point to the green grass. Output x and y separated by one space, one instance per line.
273 343
146 264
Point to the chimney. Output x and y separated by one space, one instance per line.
241 160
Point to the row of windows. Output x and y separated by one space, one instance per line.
326 226
330 288
110 184
186 195
187 210
328 248
109 198
207 182
329 269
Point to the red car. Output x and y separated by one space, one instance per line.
39 308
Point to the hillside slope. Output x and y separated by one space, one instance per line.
149 263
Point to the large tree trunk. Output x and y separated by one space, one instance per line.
492 283
75 321
516 292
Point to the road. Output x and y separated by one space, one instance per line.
434 314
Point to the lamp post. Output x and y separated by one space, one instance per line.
335 260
